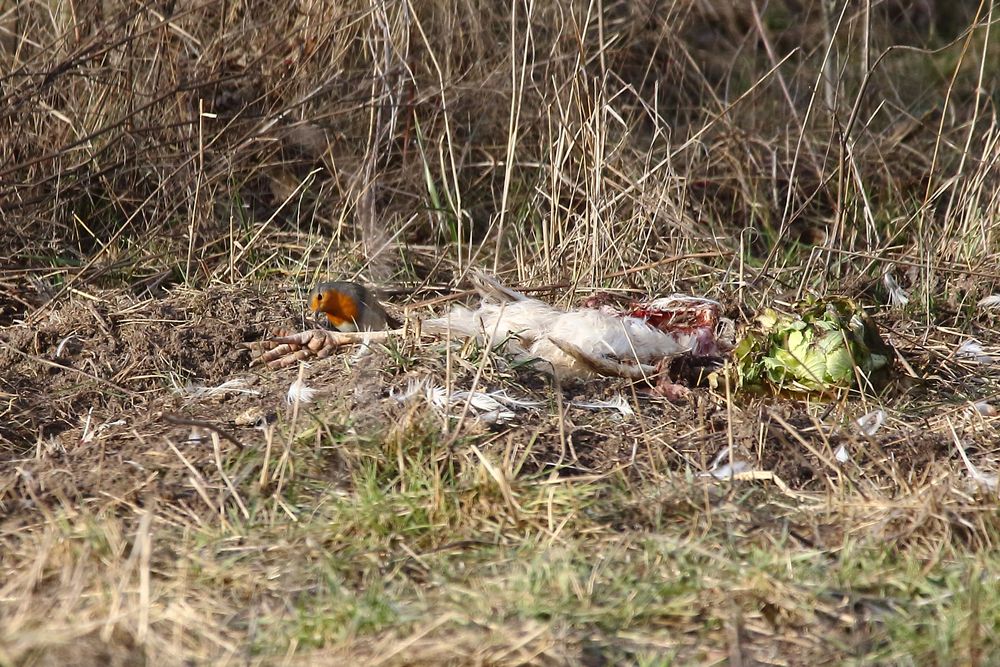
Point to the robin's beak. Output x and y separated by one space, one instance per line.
315 303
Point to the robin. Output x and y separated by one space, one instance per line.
350 307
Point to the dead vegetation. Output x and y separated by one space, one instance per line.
175 177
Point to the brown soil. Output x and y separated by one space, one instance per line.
92 381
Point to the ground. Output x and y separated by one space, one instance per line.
361 525
175 178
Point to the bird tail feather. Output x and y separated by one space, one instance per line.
491 288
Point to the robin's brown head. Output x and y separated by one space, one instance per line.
343 304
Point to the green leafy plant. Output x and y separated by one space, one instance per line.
830 344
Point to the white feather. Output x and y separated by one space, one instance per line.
991 301
236 386
870 423
988 481
972 350
298 392
725 466
488 406
617 403
727 470
897 295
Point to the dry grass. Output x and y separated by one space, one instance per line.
174 176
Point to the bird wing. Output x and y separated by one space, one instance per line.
576 341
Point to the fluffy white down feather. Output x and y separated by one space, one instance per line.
529 326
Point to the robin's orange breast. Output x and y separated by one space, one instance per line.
340 309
